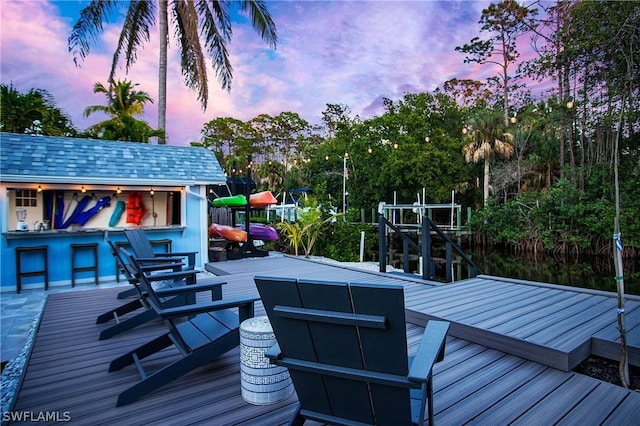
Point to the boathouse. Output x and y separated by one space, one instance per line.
58 197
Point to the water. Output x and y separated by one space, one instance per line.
593 272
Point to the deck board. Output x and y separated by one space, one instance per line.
476 383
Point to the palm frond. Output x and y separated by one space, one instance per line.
261 21
192 60
216 29
140 18
88 27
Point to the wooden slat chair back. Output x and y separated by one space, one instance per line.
200 332
346 349
142 247
174 294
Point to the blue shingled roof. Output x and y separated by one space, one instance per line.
27 158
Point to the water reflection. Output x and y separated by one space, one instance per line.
594 272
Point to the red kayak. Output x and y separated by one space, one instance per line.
227 232
262 199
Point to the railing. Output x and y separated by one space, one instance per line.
428 267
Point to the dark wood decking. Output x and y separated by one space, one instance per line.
554 325
475 384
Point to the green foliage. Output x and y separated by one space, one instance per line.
305 231
123 103
32 112
562 216
341 241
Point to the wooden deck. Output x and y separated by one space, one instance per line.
475 384
554 325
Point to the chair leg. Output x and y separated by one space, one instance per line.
430 398
179 368
128 324
119 311
127 293
149 348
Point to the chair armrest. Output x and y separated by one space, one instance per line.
430 351
194 288
171 275
158 259
175 266
191 255
201 308
273 353
178 253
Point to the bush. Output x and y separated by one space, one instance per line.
340 241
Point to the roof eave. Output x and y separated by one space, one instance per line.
103 181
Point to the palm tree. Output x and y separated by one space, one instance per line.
191 18
486 139
32 112
121 99
123 103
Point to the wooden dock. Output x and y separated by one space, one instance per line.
495 371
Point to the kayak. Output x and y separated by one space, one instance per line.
233 201
258 231
227 232
262 199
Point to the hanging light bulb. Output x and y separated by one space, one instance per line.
118 191
39 188
152 192
83 189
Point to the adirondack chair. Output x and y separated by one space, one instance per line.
143 251
201 333
175 294
346 350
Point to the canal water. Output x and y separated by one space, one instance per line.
594 272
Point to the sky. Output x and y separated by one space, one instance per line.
351 52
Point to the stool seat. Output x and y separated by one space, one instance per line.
41 250
75 268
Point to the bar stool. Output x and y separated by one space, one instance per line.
77 248
43 250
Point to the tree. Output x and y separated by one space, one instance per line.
122 99
486 138
220 135
123 102
505 21
191 20
32 112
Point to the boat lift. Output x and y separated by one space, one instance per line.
397 214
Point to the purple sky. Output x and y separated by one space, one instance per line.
339 52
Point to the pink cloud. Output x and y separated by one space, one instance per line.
340 52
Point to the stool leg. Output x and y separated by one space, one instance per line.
73 267
46 269
18 275
95 258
